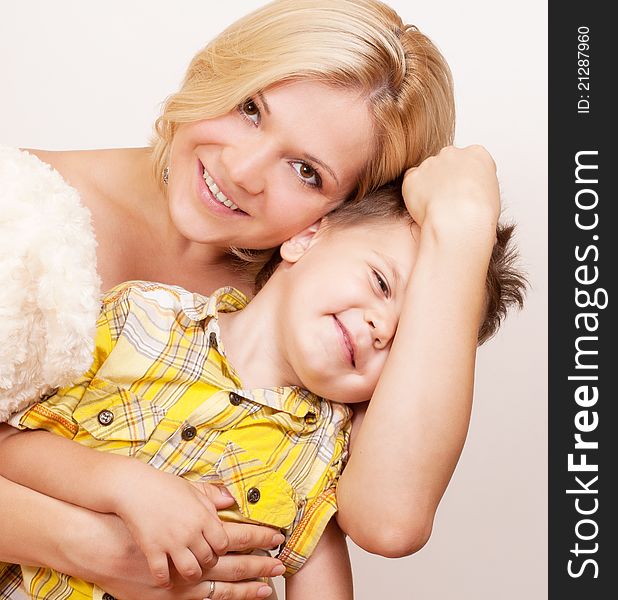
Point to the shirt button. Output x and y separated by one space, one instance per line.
253 495
213 340
311 419
235 399
107 596
105 417
188 433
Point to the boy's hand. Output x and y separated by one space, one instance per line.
459 186
170 517
100 549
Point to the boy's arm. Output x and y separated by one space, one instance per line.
327 574
423 400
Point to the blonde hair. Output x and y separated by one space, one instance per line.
353 44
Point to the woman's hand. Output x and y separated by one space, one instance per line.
459 185
232 574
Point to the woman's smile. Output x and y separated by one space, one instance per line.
214 197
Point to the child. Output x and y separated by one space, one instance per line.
197 387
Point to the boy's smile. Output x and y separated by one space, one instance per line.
347 342
326 319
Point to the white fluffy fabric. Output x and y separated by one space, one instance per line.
49 288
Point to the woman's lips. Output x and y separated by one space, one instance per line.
347 343
207 196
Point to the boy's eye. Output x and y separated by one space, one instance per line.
382 284
250 110
307 174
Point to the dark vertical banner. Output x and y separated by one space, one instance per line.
583 341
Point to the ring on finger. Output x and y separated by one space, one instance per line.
211 592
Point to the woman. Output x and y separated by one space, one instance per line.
275 125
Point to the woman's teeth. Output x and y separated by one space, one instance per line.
217 193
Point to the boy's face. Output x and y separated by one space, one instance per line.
345 292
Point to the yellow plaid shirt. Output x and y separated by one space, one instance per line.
161 390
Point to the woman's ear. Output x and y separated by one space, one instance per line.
291 250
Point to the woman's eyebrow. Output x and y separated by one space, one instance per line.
312 158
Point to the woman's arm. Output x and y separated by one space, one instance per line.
34 531
327 574
39 530
423 400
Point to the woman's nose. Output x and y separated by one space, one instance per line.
246 165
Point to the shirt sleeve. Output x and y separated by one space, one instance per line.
320 508
55 413
308 531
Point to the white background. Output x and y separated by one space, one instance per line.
83 74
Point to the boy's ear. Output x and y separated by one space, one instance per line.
291 250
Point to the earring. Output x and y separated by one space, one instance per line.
165 175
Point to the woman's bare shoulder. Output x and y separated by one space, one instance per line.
98 175
64 159
79 166
109 183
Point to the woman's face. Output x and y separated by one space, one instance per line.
261 173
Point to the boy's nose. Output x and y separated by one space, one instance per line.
383 324
246 165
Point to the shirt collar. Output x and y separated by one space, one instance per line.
293 400
198 307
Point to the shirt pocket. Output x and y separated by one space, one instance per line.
109 412
262 495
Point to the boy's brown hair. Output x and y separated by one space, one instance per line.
505 284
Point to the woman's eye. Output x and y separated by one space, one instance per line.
250 110
382 284
307 174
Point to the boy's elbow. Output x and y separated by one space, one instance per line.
392 543
392 538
